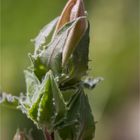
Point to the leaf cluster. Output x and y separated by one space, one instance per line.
55 99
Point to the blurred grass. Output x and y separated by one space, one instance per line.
113 51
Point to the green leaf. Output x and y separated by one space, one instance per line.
38 66
40 40
32 85
86 120
42 101
79 122
48 104
68 93
59 102
7 100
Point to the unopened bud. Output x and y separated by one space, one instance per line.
73 10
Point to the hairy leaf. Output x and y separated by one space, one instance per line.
47 104
32 85
9 101
79 123
40 40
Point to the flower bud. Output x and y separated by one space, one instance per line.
72 10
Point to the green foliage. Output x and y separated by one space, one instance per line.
58 101
55 99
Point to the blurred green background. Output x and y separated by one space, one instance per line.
113 50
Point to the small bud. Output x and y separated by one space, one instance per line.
72 10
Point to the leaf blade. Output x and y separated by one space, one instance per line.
44 33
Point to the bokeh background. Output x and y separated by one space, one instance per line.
113 50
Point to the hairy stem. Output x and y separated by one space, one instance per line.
47 135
